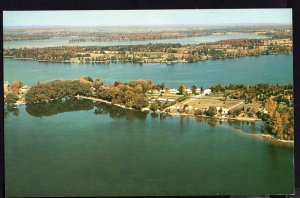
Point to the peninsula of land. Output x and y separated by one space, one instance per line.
270 103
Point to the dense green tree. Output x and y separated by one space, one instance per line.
162 85
271 107
140 101
53 90
211 111
11 98
154 106
198 112
15 86
181 89
194 89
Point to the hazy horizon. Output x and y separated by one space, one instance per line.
140 18
165 25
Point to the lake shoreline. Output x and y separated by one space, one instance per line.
265 136
167 113
271 138
146 61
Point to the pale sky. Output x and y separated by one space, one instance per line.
147 17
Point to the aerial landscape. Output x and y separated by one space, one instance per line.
148 102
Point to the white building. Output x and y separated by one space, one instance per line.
162 99
224 110
206 92
165 100
188 91
173 91
24 89
189 107
175 107
155 91
171 100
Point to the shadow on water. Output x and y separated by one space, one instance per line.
210 121
69 105
11 109
58 106
245 128
118 112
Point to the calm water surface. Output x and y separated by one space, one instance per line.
78 148
246 70
53 42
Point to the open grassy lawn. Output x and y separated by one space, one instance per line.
253 104
164 95
206 102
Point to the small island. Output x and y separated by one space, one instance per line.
270 103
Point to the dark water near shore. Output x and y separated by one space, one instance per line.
78 148
245 70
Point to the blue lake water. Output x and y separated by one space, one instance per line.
246 70
69 149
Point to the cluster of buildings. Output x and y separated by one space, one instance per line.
21 92
187 91
191 109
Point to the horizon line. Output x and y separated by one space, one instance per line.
147 25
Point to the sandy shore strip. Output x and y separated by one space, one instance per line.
219 118
20 103
104 101
271 138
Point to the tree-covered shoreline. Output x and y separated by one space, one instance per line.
155 53
276 102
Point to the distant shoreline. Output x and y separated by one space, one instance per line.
140 62
166 53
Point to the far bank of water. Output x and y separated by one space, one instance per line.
53 42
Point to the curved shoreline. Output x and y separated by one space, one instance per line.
267 137
273 139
